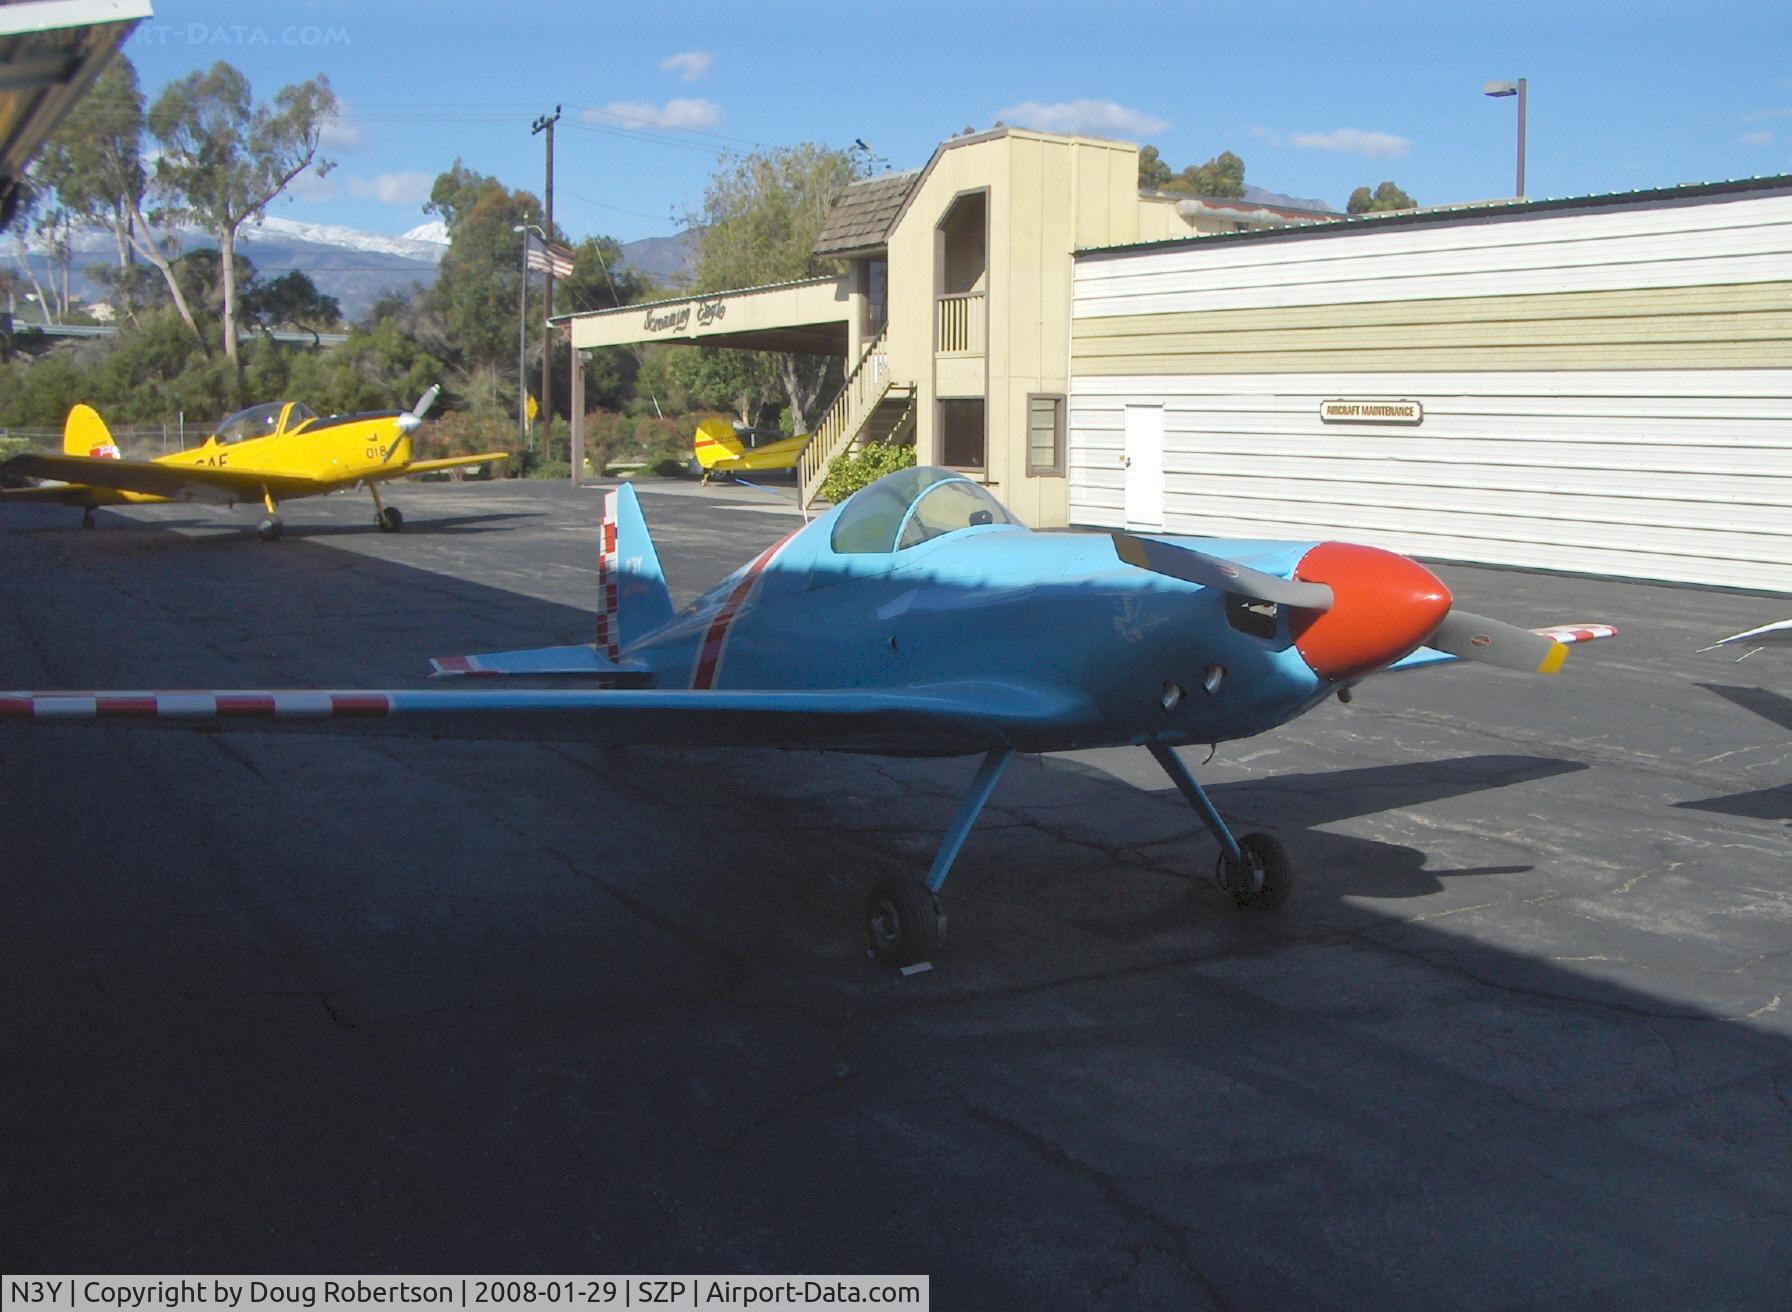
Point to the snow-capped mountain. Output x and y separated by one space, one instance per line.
355 267
428 241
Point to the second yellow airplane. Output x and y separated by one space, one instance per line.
268 453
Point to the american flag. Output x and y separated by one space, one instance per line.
549 257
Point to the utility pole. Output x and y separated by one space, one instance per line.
546 124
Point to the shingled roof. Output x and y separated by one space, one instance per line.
861 217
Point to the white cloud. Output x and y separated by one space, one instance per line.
1269 135
310 188
1765 115
393 188
1353 141
673 114
688 64
1098 118
1756 138
339 131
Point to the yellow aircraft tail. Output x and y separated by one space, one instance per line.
714 441
86 434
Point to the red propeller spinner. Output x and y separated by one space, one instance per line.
1384 606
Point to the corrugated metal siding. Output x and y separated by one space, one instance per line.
1639 428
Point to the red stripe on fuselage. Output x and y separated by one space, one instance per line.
715 638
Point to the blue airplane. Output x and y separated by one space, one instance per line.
920 618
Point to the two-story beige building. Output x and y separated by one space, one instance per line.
953 313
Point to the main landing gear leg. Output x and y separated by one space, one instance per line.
387 517
1254 869
903 919
87 517
271 526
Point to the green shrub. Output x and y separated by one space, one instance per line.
851 472
559 469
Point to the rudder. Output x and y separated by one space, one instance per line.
85 434
714 442
632 597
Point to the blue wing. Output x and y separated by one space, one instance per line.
948 719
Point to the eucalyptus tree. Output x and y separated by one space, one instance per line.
94 163
223 157
760 218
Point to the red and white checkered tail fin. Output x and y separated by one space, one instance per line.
86 434
632 598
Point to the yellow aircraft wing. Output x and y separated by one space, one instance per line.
430 466
153 478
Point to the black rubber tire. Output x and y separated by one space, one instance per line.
87 519
390 520
270 530
1267 853
903 922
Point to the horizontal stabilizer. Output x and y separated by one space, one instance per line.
582 658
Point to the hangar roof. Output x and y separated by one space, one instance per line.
1470 211
50 50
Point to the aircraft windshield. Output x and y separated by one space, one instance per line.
262 421
256 421
909 507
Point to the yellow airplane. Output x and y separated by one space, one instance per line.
719 449
268 453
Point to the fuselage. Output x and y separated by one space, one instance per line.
1162 659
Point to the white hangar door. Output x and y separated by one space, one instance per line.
1144 482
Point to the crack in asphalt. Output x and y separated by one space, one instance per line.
1173 1241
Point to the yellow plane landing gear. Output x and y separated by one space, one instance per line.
270 528
387 518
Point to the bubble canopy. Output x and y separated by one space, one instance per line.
913 506
261 421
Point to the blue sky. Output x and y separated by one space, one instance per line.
1318 98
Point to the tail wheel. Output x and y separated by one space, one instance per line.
903 922
389 519
1264 856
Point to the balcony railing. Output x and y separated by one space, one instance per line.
959 325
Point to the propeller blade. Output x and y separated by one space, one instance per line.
1494 642
411 420
1193 566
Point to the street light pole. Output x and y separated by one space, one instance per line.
1501 89
546 124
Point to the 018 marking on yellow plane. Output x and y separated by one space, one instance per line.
268 454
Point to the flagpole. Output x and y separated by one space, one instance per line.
522 343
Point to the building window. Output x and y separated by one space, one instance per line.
961 432
1045 434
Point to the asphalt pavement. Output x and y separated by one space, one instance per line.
1522 1038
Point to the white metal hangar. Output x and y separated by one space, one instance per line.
1600 384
